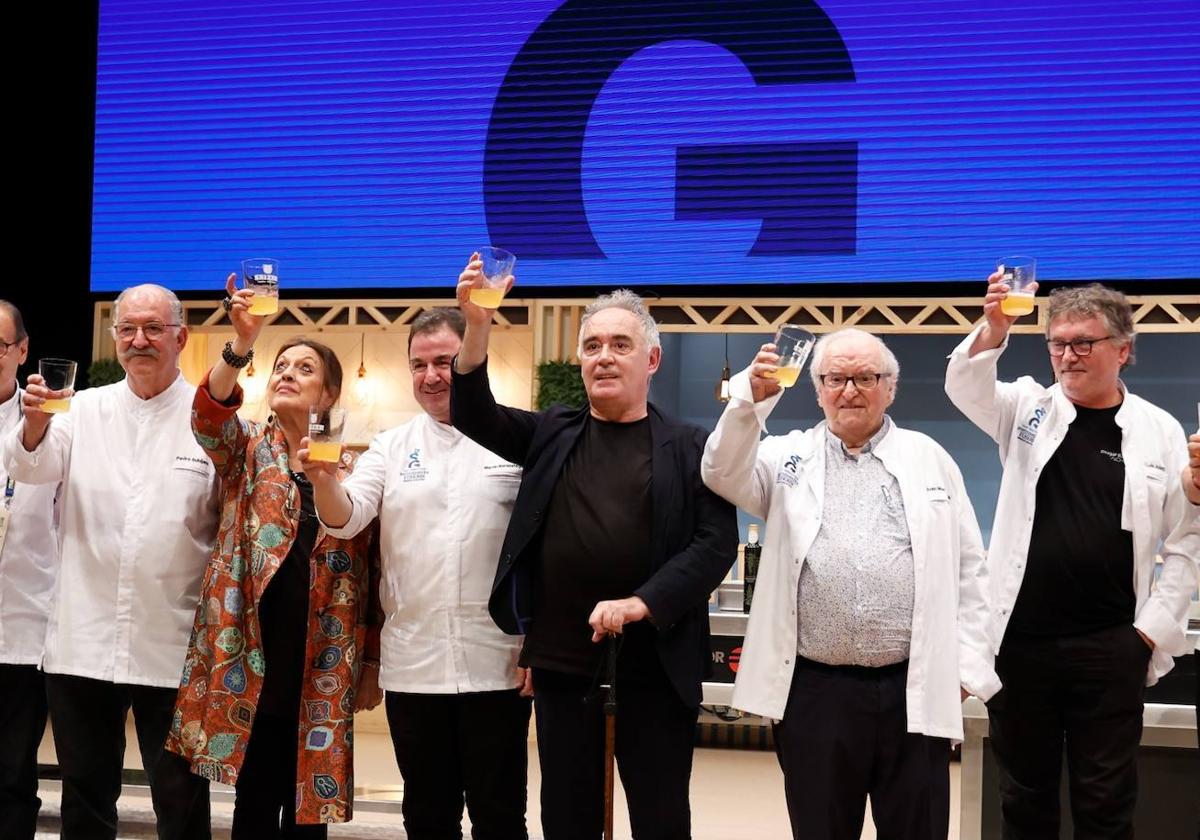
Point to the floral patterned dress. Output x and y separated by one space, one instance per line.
224 668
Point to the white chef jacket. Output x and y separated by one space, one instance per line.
138 515
782 479
28 560
443 503
1029 421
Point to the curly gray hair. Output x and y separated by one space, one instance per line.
1095 300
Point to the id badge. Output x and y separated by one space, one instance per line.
5 515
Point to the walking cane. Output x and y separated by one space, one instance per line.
609 688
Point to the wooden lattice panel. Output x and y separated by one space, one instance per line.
555 323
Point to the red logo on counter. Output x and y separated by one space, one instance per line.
735 656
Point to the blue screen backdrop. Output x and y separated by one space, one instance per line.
374 143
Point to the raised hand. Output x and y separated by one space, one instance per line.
996 323
246 326
1191 473
761 385
472 278
36 420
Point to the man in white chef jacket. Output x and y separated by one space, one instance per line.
138 514
28 565
869 621
1091 492
459 719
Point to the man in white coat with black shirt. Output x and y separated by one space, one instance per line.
137 518
457 704
1091 492
869 623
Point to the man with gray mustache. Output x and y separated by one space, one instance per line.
138 515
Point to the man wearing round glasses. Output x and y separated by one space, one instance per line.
1079 626
137 518
869 620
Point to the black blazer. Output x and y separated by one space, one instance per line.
695 531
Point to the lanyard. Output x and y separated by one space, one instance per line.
10 486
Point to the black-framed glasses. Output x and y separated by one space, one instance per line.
1079 346
862 381
4 345
153 331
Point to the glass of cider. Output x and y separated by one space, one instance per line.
326 425
59 375
793 344
1019 274
261 276
498 266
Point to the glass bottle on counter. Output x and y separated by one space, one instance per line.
750 556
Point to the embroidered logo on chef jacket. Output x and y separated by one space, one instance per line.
413 470
1028 430
1156 471
502 467
937 493
788 472
193 464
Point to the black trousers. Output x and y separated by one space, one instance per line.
264 805
843 738
1085 691
452 747
23 710
88 720
655 733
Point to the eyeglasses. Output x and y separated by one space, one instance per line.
153 330
862 381
1079 346
4 345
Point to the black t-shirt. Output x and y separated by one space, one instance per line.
595 547
283 615
1079 574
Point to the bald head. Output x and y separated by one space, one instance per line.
151 362
151 294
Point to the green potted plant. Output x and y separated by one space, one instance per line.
104 372
560 383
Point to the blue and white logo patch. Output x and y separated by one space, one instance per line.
413 469
789 473
1028 430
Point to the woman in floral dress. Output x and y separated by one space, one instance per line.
285 645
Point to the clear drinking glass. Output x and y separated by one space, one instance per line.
59 375
261 276
1019 274
498 266
793 344
325 428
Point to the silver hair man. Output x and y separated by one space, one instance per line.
630 302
